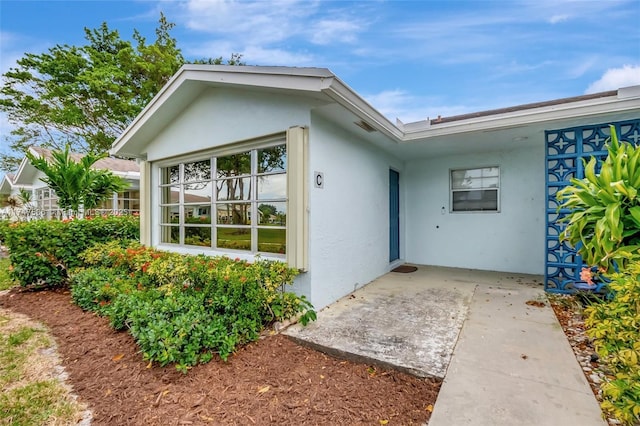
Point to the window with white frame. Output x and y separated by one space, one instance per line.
475 190
129 201
46 199
233 201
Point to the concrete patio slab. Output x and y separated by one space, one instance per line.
407 321
512 364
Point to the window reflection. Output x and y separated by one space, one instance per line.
233 214
197 171
233 165
234 201
233 238
273 214
272 187
272 159
233 189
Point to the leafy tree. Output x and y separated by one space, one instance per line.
77 184
267 209
85 96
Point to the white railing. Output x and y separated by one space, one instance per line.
27 214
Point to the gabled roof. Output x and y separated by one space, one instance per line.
123 168
190 80
351 109
7 183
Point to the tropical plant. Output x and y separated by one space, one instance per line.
25 196
76 183
604 219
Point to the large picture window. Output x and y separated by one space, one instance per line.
475 190
234 201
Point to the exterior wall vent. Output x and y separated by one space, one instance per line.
365 126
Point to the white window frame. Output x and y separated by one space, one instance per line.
253 201
297 227
453 190
46 204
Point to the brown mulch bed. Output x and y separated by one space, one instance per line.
272 381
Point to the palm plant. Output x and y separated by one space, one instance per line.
77 184
604 222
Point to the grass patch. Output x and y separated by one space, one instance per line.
36 403
5 279
30 395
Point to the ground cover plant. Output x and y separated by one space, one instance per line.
604 227
184 309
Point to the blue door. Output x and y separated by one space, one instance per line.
394 215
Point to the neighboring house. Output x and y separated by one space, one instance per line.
44 202
356 194
8 187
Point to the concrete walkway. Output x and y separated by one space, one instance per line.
513 365
504 362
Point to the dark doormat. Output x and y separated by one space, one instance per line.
405 269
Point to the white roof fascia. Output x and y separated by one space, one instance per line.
599 106
5 185
126 175
23 165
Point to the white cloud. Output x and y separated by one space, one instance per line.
278 32
558 18
409 108
580 66
334 30
264 22
259 55
615 78
8 54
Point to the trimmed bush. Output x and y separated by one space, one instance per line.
43 251
180 309
615 327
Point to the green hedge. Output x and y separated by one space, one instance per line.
615 327
4 229
181 309
43 251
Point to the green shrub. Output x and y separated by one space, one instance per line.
4 229
43 251
615 327
181 309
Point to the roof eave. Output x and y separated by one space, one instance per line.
581 109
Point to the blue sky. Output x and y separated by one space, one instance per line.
410 59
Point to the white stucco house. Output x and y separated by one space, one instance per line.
44 202
357 194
